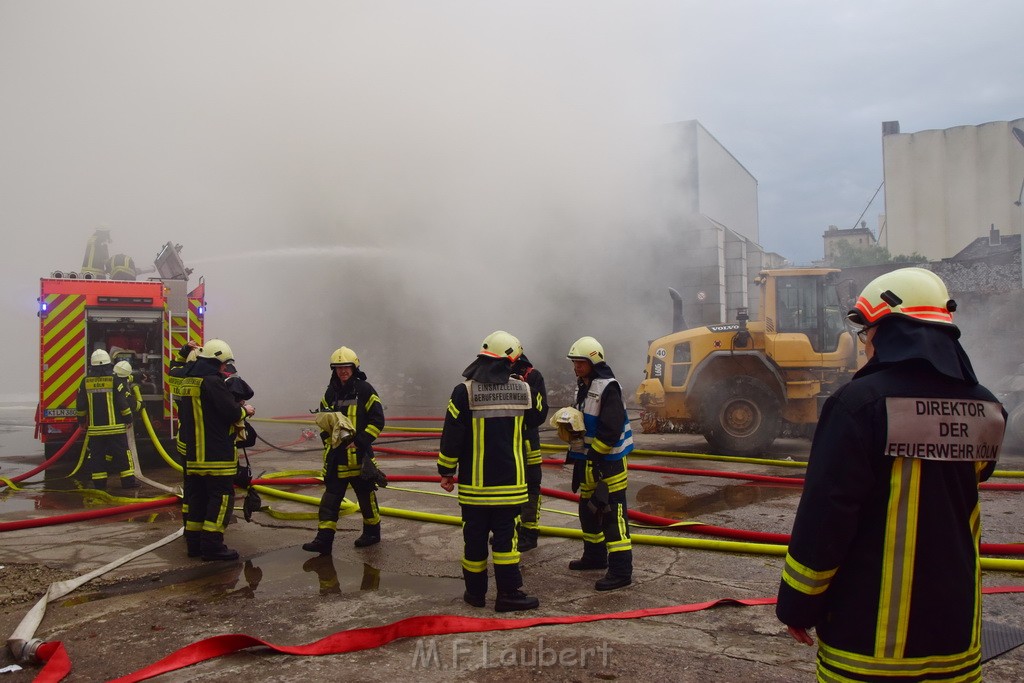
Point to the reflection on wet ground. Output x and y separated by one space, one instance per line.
274 574
666 501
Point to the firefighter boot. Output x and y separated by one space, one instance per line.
130 482
620 571
323 543
211 545
476 588
99 484
515 601
192 543
595 556
527 539
371 536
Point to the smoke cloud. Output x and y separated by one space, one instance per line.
401 178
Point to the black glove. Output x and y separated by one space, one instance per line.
598 502
577 476
370 473
253 503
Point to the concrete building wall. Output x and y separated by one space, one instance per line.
944 188
727 190
715 199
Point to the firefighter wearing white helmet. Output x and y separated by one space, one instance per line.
106 415
482 442
914 293
500 344
208 413
586 348
883 558
600 471
123 375
350 461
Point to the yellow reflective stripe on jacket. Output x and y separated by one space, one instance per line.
898 558
804 579
967 664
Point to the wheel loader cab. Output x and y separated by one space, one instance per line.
806 305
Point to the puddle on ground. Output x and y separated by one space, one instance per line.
276 573
666 501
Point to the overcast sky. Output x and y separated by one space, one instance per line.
464 136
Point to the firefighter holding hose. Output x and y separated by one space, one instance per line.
599 471
106 414
352 407
208 413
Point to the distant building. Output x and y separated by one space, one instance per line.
946 188
857 237
711 211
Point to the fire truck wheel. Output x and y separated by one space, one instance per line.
740 417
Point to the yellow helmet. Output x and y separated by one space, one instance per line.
586 348
569 423
217 349
501 344
344 356
99 357
123 368
913 293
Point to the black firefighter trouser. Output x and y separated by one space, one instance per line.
605 534
109 451
334 493
210 500
497 524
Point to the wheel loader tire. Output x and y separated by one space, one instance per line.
740 417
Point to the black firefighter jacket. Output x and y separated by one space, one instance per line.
101 403
359 402
207 413
883 559
486 447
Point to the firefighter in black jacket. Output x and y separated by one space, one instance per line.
482 441
207 415
104 411
883 559
523 369
349 393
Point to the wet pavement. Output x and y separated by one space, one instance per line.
162 601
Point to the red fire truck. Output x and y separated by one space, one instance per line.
143 322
